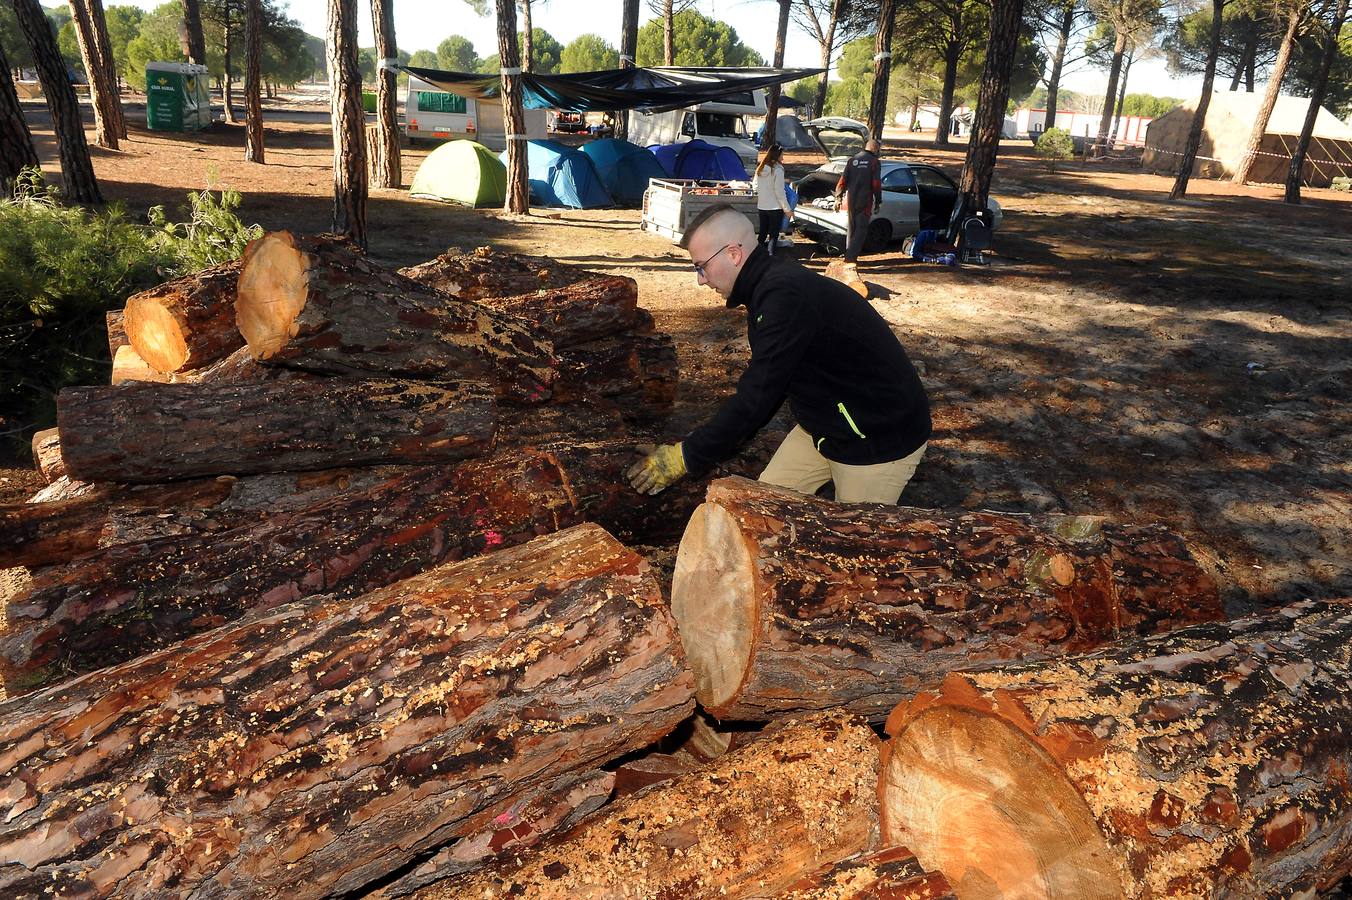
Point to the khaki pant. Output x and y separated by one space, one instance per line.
798 466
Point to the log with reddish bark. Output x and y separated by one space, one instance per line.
147 433
1210 762
891 874
790 602
316 303
748 825
642 367
486 272
47 454
117 332
186 323
128 366
242 366
309 751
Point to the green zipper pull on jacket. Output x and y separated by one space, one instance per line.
853 427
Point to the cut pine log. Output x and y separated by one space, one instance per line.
642 365
129 367
1211 762
789 602
485 272
316 303
309 751
891 874
585 311
186 323
748 825
242 366
147 433
47 454
117 332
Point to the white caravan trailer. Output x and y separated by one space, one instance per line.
721 122
434 114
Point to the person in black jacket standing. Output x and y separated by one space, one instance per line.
861 184
862 413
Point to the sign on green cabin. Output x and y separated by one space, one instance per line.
178 97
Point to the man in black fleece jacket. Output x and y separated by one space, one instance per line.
863 417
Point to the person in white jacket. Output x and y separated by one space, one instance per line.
772 201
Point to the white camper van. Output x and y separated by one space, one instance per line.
721 122
434 114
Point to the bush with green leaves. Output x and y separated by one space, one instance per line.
62 268
1054 144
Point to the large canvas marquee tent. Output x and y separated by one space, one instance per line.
1225 135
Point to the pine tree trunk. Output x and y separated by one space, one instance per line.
186 323
253 63
527 54
228 76
668 33
1274 89
882 68
388 168
1210 762
306 752
104 45
1121 99
628 56
349 142
1246 57
1110 98
514 122
315 303
749 825
891 874
772 93
76 167
145 433
1295 173
487 273
984 144
195 48
1059 61
952 56
1180 188
105 130
16 141
773 623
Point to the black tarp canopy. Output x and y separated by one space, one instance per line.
653 89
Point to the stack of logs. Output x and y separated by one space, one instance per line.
354 616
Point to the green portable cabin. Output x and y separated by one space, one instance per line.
178 97
461 172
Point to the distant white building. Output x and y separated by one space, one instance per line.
1130 129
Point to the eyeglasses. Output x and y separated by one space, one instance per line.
699 267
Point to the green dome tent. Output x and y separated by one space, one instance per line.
462 172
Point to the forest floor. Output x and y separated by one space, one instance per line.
1187 363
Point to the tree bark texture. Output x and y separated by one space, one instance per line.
16 141
748 825
787 602
115 322
584 311
195 47
349 140
160 577
186 323
952 56
624 365
513 120
486 272
315 303
241 366
891 874
1295 12
104 44
1295 174
1110 98
1066 25
305 752
668 33
527 65
984 143
1121 97
105 130
142 433
76 167
47 454
1210 762
628 57
253 82
388 168
882 68
772 93
1180 188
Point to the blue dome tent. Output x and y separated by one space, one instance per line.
562 176
701 161
624 168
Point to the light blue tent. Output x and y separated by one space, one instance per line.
624 168
701 161
562 176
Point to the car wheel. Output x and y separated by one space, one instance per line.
878 237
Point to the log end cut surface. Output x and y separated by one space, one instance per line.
974 798
158 334
273 287
713 599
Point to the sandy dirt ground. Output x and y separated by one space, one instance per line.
1187 363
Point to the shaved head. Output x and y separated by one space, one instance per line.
872 146
719 242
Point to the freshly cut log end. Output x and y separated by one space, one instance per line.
1208 762
273 286
186 323
129 366
713 598
787 602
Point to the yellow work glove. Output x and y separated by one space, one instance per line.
658 470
